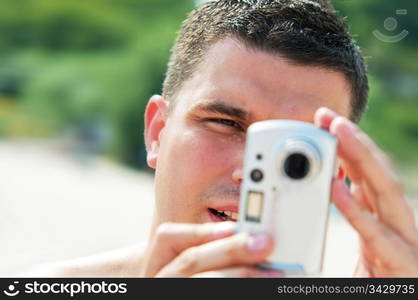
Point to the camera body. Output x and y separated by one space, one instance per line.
288 170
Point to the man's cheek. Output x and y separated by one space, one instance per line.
211 153
202 155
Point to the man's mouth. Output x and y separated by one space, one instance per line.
223 215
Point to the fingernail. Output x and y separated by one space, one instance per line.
348 123
224 229
326 110
272 274
343 124
257 242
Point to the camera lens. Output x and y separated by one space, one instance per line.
296 166
256 175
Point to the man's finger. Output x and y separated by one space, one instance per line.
367 164
323 117
360 154
240 249
360 192
173 238
241 272
381 240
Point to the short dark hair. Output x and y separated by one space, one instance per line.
307 32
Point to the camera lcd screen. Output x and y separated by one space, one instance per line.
254 206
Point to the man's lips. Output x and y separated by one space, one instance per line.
221 214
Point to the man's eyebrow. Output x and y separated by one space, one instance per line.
220 107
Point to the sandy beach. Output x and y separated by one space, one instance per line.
55 207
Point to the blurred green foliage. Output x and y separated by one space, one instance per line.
67 63
392 116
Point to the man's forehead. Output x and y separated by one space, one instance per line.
238 76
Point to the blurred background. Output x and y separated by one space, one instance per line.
75 77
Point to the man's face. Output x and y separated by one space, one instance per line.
199 149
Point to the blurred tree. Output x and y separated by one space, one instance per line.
68 62
391 118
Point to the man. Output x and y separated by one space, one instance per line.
237 62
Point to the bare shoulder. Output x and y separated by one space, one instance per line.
125 262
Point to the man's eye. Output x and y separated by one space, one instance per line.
226 122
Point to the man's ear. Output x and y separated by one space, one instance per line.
155 120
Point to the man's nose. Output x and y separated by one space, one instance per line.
237 175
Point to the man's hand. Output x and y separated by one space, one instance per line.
375 204
206 250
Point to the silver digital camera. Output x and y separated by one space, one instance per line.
288 169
